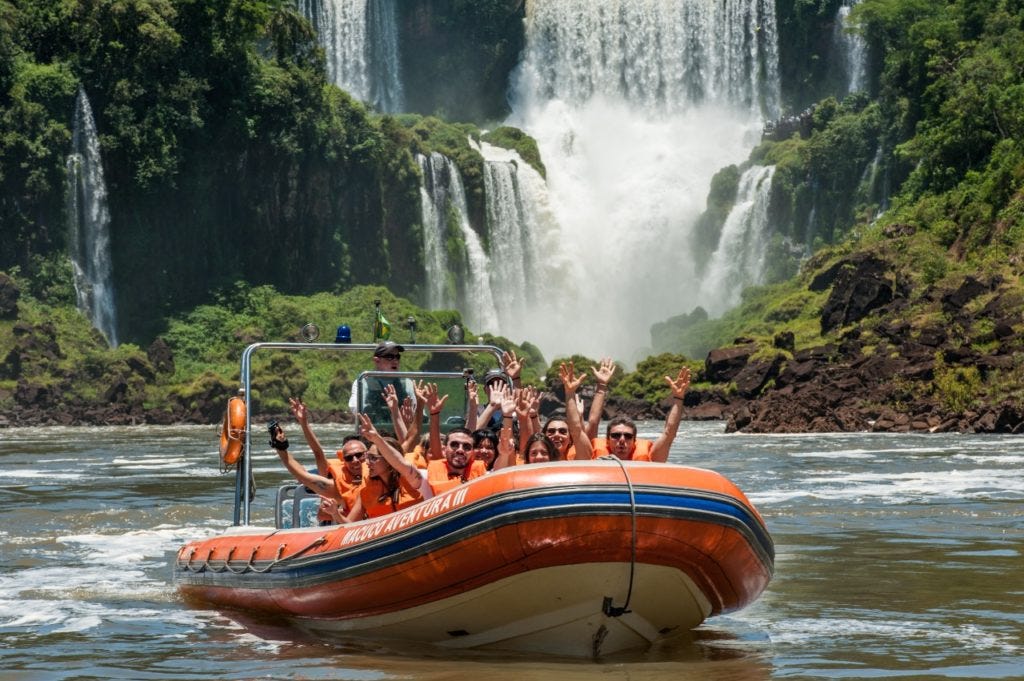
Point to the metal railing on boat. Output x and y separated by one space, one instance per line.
243 491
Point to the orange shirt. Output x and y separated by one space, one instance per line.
642 451
442 479
377 501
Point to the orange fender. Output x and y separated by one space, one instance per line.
231 431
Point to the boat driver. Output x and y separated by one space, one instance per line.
386 357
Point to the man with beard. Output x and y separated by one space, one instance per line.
457 466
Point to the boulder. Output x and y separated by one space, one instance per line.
161 357
722 364
861 286
970 289
755 375
785 340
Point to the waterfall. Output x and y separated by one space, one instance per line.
851 47
89 223
524 251
635 104
446 223
739 259
360 38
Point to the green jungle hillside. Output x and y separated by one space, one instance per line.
250 196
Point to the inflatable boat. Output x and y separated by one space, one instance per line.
569 558
579 559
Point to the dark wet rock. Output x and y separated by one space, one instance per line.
10 367
161 357
970 289
797 372
861 285
785 340
756 374
36 395
117 390
825 278
9 295
722 364
1003 330
932 336
819 353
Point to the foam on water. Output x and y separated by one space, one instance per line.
858 632
39 474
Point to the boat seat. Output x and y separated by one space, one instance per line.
296 506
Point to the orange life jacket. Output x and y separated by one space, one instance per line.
642 451
377 501
345 485
416 458
441 479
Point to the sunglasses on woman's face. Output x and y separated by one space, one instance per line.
373 458
560 431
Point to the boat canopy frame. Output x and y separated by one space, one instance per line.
244 492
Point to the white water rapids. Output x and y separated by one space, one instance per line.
636 104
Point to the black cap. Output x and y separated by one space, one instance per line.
387 348
495 375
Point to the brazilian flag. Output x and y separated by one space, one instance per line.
381 327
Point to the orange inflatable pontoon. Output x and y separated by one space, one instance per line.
564 558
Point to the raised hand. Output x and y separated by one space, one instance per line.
680 384
497 394
508 400
567 372
435 402
604 374
513 365
528 402
299 410
420 388
408 410
367 428
390 396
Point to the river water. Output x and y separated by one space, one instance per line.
897 556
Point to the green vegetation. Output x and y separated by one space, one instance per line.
230 158
517 140
942 142
66 356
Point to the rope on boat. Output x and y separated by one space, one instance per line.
226 565
609 609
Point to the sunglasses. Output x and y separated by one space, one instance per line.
621 436
373 458
560 431
392 357
354 457
464 446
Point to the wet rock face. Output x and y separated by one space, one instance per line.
723 364
859 287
